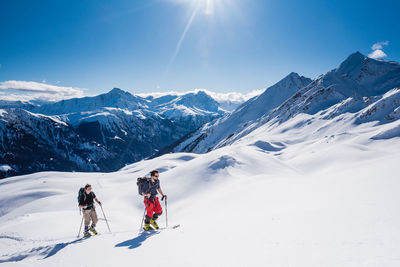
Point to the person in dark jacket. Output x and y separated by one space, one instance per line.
86 203
153 207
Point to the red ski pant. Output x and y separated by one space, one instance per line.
152 206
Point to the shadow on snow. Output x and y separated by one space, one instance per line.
54 250
51 250
45 251
137 241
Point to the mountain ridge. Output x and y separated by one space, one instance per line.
351 87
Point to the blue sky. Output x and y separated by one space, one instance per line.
231 45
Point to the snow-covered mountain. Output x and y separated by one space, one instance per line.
100 133
15 104
116 98
31 142
227 101
360 90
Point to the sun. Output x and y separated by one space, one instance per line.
207 6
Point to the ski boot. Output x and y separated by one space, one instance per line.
86 234
153 222
147 227
91 229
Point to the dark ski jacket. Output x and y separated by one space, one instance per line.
87 200
151 188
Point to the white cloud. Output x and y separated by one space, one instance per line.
29 90
377 54
377 48
379 45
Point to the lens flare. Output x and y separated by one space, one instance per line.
182 38
208 8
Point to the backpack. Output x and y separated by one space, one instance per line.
140 183
80 193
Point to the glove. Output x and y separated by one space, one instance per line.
164 196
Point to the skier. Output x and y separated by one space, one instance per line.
86 203
153 206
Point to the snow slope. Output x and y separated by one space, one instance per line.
300 201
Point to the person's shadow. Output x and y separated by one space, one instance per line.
45 251
137 241
59 247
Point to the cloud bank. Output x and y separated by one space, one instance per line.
30 91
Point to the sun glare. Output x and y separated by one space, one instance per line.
209 7
206 7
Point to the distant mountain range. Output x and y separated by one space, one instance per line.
100 133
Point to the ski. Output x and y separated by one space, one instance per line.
87 237
163 228
171 227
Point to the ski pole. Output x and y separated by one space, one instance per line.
80 228
141 226
101 206
166 212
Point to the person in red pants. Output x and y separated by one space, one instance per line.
150 189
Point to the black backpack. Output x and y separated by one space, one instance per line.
140 182
80 193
